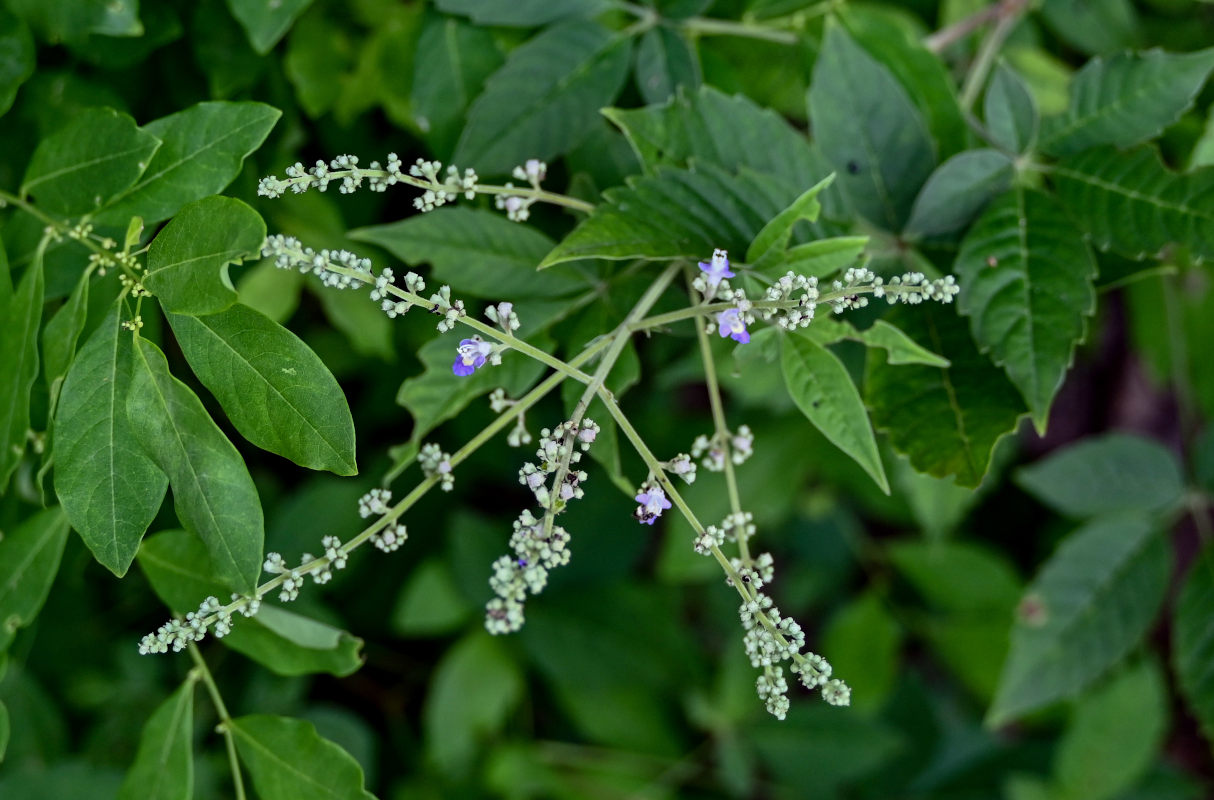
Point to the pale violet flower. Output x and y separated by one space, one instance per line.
730 324
718 269
470 356
652 503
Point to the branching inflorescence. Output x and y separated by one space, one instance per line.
554 477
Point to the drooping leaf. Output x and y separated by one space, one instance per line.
29 561
664 62
958 191
164 765
188 261
899 348
1130 202
1095 28
212 491
182 575
430 604
274 389
16 57
288 760
869 130
1027 286
1193 640
1126 99
823 390
59 339
477 252
1010 111
266 22
20 318
202 150
946 421
1111 474
521 13
110 489
545 98
96 156
1087 608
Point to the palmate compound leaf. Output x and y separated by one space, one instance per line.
20 318
274 389
947 421
1193 640
109 487
1128 201
164 764
29 561
1087 608
212 491
1027 287
288 760
545 98
1126 99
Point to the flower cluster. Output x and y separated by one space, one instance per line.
435 463
519 435
683 466
741 447
384 290
176 634
449 310
344 169
387 539
518 207
799 288
440 192
289 253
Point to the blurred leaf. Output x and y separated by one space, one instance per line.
1108 474
202 150
188 260
319 55
16 57
1095 28
1193 640
958 191
266 22
274 389
545 99
20 318
520 13
664 62
5 731
937 504
213 494
59 337
110 489
1132 203
1203 150
362 322
1126 99
29 561
182 574
1090 604
430 603
73 20
823 390
288 760
861 641
1114 735
1010 111
1047 77
869 130
1026 285
270 291
164 767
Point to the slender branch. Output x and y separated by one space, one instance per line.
1008 14
947 36
225 719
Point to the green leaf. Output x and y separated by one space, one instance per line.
164 765
665 61
823 390
869 130
520 13
821 258
274 389
1130 202
20 318
1110 474
202 150
431 603
773 238
1193 640
1094 28
1026 284
17 59
96 156
320 55
946 421
477 252
545 99
1010 111
288 760
29 561
899 348
363 323
674 214
266 22
188 259
959 577
214 496
5 731
183 575
476 686
861 641
1090 604
958 191
72 21
110 489
1126 99
1114 735
59 339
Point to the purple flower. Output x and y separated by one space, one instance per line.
470 356
730 324
653 503
718 269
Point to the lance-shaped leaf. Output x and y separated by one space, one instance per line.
1130 202
164 764
202 150
452 61
1126 99
20 318
825 393
110 489
899 348
773 238
97 155
1193 640
188 260
277 392
212 490
1087 608
958 190
288 760
266 22
1010 111
29 561
1026 284
546 97
947 421
665 61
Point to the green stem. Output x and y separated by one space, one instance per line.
703 26
1008 13
225 719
